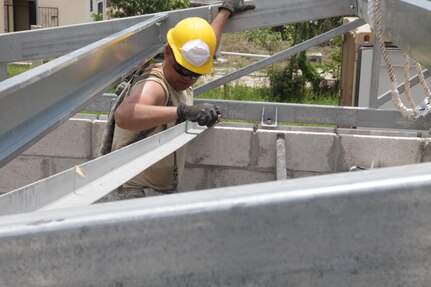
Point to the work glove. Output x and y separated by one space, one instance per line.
235 6
204 114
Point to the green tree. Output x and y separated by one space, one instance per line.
126 8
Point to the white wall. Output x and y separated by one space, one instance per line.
2 16
69 12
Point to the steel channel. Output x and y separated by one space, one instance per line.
365 228
88 182
53 42
375 75
314 114
37 101
406 23
386 97
280 56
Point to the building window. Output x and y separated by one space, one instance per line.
100 8
91 5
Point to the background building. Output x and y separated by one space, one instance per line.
20 15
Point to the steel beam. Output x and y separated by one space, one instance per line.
365 228
406 23
55 42
386 97
86 183
37 101
280 56
314 114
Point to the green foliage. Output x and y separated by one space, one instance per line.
97 16
238 93
300 78
125 8
266 38
16 69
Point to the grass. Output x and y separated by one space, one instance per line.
16 69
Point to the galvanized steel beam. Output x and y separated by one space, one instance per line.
88 182
386 97
365 228
406 23
55 42
39 100
283 55
314 114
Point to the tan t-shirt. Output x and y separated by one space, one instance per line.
159 176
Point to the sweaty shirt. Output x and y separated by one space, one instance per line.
159 176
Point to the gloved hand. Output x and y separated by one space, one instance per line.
235 6
205 114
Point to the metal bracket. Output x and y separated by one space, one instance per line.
269 121
424 108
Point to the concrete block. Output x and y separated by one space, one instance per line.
194 178
72 139
223 177
426 156
378 151
299 174
205 177
22 171
96 137
305 151
221 146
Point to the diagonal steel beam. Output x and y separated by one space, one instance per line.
386 97
280 56
37 101
86 183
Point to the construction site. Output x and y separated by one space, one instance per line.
277 194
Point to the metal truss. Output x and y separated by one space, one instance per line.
359 228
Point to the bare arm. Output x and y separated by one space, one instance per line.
218 24
144 108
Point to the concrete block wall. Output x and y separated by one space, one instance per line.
229 154
241 154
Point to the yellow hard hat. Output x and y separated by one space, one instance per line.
193 43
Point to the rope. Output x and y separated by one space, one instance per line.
407 86
407 113
422 81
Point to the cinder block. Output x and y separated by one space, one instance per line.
223 177
312 152
373 151
194 178
22 171
426 156
96 137
221 146
72 139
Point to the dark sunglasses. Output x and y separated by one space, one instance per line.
183 71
